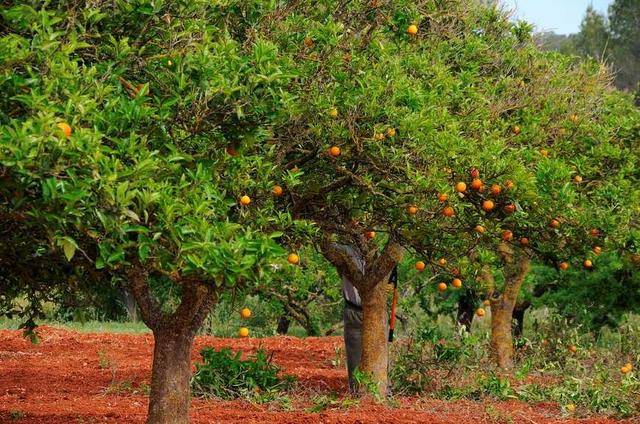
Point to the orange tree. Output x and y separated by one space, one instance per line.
401 105
132 143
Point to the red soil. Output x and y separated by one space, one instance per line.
72 377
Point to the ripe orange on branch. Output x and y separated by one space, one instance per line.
495 189
457 283
554 223
333 112
420 266
476 184
391 132
594 232
412 29
507 235
442 197
508 184
480 229
245 200
442 262
448 212
245 313
412 210
480 312
243 332
486 302
461 187
597 250
293 259
524 241
516 130
370 235
564 266
442 287
277 190
335 151
475 173
488 205
588 264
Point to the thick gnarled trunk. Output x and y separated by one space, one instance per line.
174 333
170 378
371 287
374 337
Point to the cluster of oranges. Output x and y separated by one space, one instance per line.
245 313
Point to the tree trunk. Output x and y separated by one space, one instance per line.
466 310
501 340
170 378
283 325
374 337
173 335
516 266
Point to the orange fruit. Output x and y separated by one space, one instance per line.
516 130
442 262
554 223
573 118
510 208
495 189
442 197
480 312
420 266
507 235
378 136
231 151
442 287
448 212
243 332
245 313
629 365
594 232
461 187
573 349
564 266
486 302
476 184
577 179
293 259
335 151
544 152
245 200
488 205
308 41
66 129
508 184
474 173
457 283
391 132
412 210
480 229
524 241
277 190
370 235
412 29
587 264
597 250
625 370
571 408
333 112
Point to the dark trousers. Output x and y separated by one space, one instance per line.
352 341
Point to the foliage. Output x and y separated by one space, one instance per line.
224 375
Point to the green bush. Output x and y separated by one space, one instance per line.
223 375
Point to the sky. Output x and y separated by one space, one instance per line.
559 16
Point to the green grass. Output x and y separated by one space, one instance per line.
85 327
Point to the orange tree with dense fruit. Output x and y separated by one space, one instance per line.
397 102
